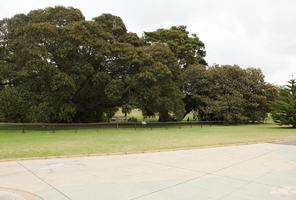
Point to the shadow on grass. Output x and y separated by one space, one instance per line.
282 127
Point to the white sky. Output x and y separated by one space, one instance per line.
250 33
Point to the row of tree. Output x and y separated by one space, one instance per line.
55 66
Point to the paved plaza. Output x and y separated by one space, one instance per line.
246 172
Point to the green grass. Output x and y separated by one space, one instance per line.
40 142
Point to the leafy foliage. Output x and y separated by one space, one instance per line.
58 67
55 66
74 70
187 49
166 96
283 108
227 93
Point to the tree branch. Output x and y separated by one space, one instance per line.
7 60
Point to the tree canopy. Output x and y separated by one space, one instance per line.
283 108
58 67
188 49
227 93
55 66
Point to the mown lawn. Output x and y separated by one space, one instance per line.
41 141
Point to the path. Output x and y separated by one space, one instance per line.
247 172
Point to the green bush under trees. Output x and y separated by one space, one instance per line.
55 66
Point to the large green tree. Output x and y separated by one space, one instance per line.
165 95
63 67
197 89
258 94
29 71
227 93
188 49
57 67
283 108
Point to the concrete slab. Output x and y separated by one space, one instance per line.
287 142
13 194
258 171
4 195
256 191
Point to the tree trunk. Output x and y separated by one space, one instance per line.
164 116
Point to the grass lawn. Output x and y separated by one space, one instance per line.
39 142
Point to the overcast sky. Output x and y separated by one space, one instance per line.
250 33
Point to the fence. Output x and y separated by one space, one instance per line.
134 125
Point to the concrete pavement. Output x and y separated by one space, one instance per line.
246 172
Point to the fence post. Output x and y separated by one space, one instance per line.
23 128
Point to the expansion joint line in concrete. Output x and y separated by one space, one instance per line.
34 174
192 179
205 173
168 187
189 170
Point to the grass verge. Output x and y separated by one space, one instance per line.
42 142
